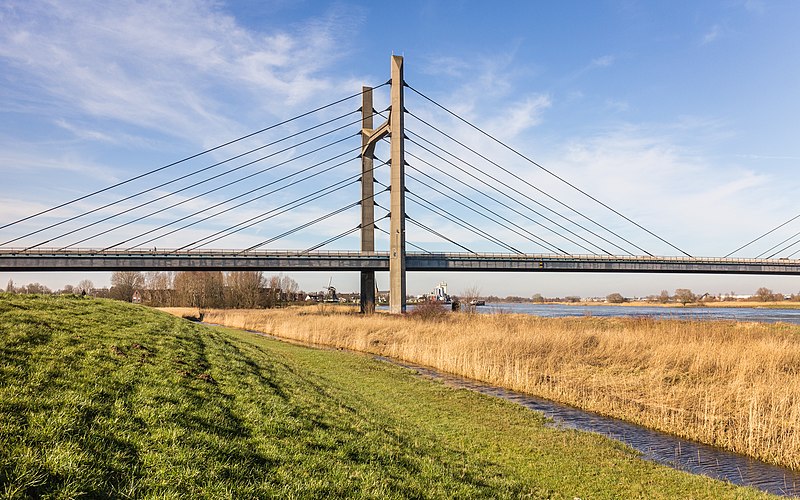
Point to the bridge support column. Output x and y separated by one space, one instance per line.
397 239
367 202
393 127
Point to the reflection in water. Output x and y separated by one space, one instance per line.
663 448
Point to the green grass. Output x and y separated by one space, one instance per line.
105 399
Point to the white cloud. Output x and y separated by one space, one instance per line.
519 117
711 35
182 68
616 105
602 62
653 176
664 176
755 6
11 161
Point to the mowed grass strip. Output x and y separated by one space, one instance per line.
105 399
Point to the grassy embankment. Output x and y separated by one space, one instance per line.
733 385
105 399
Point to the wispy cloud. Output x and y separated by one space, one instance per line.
598 63
111 64
653 175
445 65
602 62
520 116
756 6
711 35
617 105
38 165
768 157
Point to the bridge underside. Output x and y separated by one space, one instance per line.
232 260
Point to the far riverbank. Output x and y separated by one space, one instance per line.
727 304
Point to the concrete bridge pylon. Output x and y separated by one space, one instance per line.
394 129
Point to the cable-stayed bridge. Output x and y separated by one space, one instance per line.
468 205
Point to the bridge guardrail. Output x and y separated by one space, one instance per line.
221 252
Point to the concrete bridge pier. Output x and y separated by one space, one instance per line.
367 201
393 128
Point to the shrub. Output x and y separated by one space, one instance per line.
428 311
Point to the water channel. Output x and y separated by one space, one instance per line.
660 447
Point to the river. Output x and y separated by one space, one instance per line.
693 313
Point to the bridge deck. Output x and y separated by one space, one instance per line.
275 260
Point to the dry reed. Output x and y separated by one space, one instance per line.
730 384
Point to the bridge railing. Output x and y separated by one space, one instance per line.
230 252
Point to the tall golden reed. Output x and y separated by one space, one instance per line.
730 384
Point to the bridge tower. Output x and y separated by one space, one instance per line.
367 201
393 128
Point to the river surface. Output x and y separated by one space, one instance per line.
693 313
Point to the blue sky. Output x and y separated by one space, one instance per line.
681 115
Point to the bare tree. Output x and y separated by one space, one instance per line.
244 288
615 298
187 289
274 291
200 288
289 287
125 283
36 288
684 296
84 287
158 284
766 295
469 298
10 286
663 297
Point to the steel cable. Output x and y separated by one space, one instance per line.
265 216
508 186
484 215
191 157
179 190
341 235
458 221
192 198
440 235
204 219
553 174
303 226
766 234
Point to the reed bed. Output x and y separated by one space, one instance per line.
730 384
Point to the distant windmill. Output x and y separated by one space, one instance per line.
330 293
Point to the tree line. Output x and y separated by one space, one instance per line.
238 289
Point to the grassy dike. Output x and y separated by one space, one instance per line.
105 399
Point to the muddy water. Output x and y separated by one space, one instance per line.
659 447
